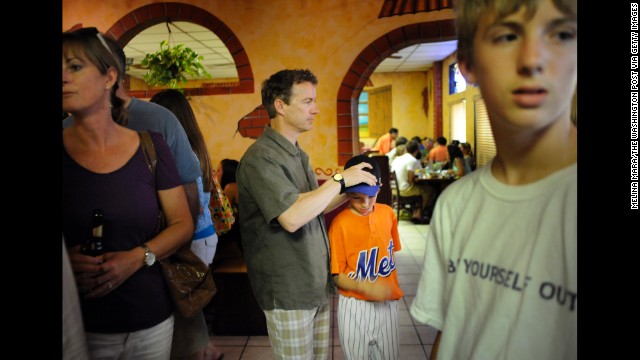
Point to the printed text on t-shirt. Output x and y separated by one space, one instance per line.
515 281
366 266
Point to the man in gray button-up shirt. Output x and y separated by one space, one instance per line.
281 219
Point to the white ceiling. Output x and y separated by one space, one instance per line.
418 57
219 62
217 59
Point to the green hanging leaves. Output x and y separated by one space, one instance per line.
170 65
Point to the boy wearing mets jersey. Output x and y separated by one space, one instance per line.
364 238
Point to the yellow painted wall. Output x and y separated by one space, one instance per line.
324 36
408 114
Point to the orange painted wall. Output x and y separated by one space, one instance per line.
324 36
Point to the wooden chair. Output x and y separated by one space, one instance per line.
384 196
402 202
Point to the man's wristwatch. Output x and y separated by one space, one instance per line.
149 257
340 179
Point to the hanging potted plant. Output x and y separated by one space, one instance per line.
171 64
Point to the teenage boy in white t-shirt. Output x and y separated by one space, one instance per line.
500 270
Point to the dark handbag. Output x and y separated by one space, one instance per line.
189 279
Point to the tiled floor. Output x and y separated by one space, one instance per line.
415 339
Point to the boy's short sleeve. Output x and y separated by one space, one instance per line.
427 306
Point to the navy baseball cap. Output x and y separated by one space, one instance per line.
365 188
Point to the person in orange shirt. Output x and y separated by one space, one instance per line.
385 142
439 153
364 238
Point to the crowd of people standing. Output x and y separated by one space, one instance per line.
484 304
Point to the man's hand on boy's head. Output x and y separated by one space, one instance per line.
355 175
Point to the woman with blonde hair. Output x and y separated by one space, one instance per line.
125 302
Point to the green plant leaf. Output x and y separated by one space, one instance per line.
170 65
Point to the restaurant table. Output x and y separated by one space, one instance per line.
438 184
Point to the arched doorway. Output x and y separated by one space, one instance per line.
127 27
364 65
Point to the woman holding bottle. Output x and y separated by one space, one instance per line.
125 303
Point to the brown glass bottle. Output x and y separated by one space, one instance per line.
93 245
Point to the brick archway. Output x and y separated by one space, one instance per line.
143 17
364 65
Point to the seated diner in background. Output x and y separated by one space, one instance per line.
456 161
398 150
428 145
439 153
469 157
405 167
